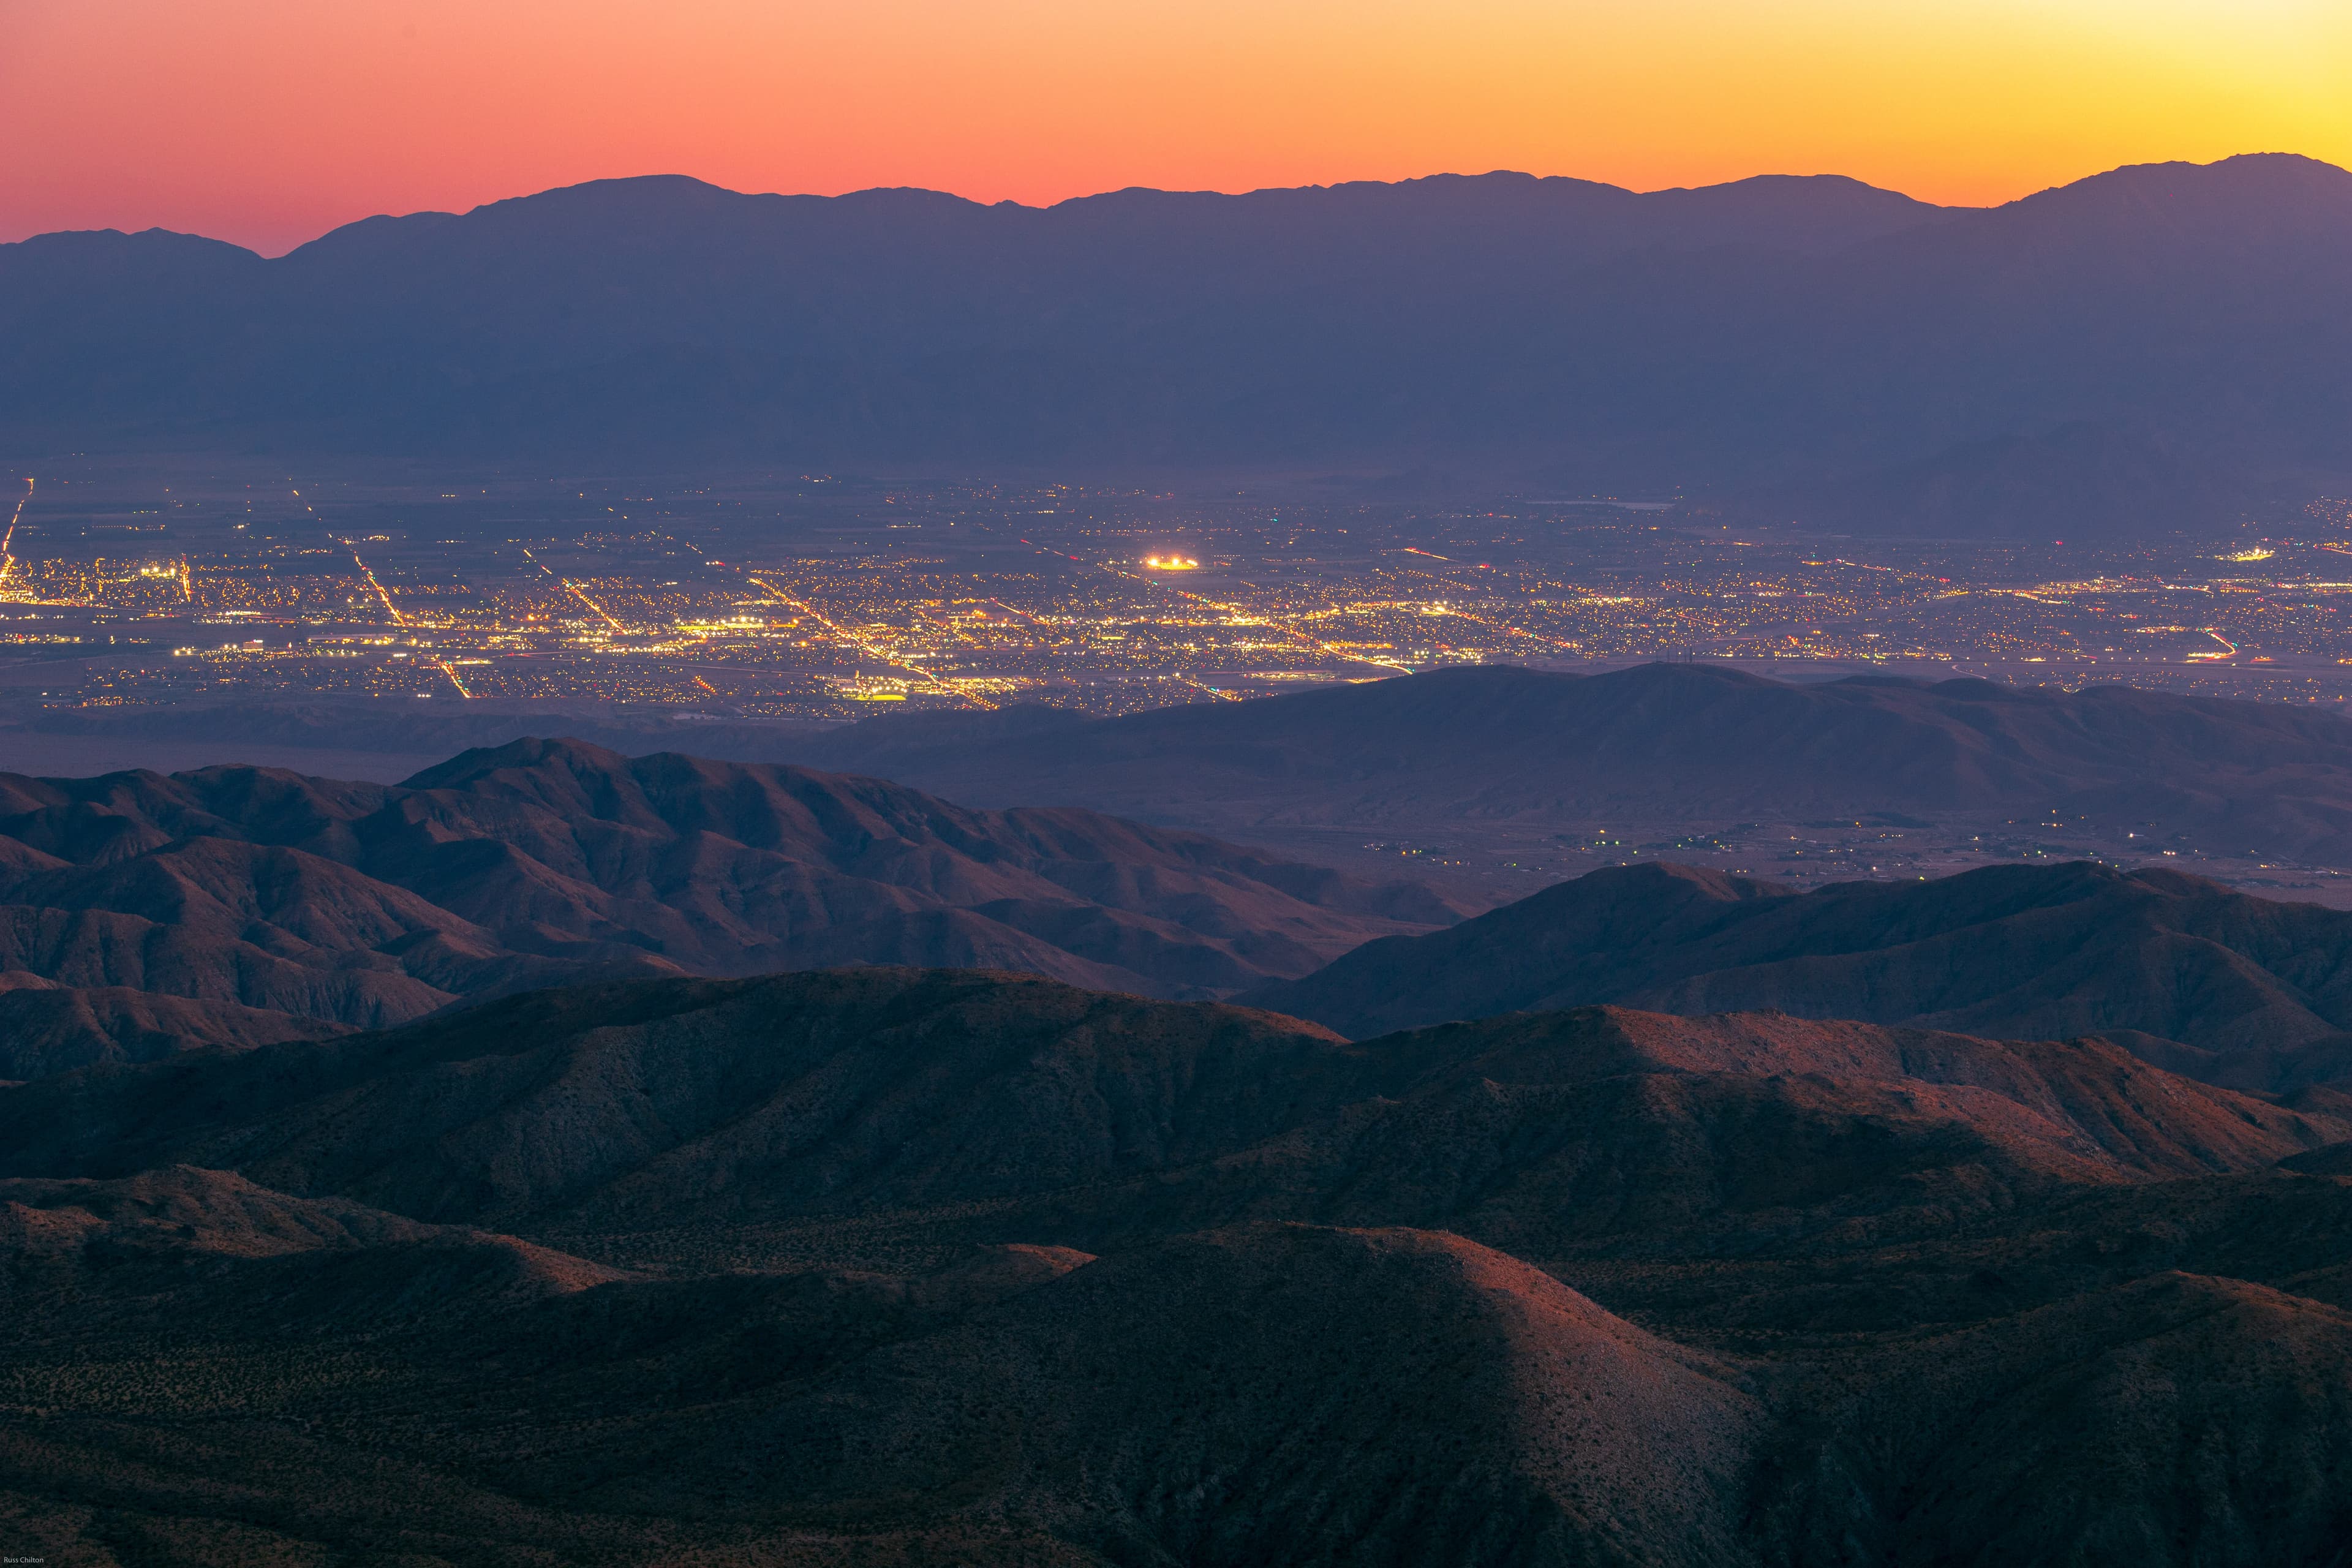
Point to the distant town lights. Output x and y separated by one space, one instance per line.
1171 563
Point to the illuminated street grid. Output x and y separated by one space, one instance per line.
812 597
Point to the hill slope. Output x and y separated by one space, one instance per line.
830 1095
255 891
886 1267
2215 983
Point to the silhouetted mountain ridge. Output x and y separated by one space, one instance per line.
1697 337
1660 741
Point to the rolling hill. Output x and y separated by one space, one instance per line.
890 1267
251 898
2214 984
809 1097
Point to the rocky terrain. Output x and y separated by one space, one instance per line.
2211 983
488 1169
893 1266
239 905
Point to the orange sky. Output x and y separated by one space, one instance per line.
268 122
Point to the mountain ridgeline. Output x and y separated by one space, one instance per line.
1658 744
237 905
1690 745
1774 330
2206 981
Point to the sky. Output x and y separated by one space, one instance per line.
268 121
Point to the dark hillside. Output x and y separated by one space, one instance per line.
1660 741
252 904
2214 984
889 1267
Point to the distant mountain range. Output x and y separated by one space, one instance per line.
1473 749
140 914
1813 332
885 1266
1699 745
238 906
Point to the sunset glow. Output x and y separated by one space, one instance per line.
268 122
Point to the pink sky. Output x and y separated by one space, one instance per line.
268 121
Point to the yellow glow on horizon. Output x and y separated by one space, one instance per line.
266 121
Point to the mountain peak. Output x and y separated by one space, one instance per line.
371 237
528 752
2264 194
